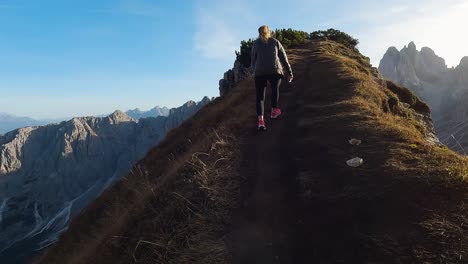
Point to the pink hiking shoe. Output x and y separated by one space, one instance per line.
275 112
261 125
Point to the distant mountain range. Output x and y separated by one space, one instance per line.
9 122
445 89
155 112
49 173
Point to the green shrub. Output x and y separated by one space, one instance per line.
407 96
335 35
393 101
243 56
290 38
422 107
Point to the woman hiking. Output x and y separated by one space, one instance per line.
269 63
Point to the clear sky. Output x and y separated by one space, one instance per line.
63 58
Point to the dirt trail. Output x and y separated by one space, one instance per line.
265 229
305 205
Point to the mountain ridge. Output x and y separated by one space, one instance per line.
156 111
228 194
9 122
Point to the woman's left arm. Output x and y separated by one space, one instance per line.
284 59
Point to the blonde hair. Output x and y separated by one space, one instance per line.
264 33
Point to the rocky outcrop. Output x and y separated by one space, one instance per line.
405 103
232 77
445 89
421 71
49 173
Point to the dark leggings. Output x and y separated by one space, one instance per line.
260 86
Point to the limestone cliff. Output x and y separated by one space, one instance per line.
49 173
445 89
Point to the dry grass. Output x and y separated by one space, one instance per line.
202 198
180 220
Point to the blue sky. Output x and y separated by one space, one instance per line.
68 58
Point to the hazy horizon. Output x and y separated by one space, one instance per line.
78 59
57 118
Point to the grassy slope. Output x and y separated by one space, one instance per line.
405 204
174 205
